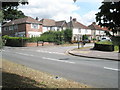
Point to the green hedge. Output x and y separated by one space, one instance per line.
14 41
107 45
104 47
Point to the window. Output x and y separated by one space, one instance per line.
35 26
79 30
15 27
10 27
86 31
5 28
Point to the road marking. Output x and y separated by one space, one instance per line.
52 59
50 52
114 69
24 54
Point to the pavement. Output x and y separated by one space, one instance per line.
91 53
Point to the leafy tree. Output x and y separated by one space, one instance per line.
1 16
109 16
10 9
68 35
84 37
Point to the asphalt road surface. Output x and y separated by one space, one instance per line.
97 73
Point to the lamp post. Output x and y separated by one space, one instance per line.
78 40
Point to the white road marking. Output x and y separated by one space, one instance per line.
52 59
24 54
50 52
114 69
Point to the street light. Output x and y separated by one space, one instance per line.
78 39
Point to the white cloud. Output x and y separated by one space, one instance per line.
48 8
57 9
88 18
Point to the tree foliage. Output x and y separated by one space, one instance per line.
109 16
68 35
1 16
10 9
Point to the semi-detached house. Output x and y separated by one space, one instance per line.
50 24
79 30
97 32
23 27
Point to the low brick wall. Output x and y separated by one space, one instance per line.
39 44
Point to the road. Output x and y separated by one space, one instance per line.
53 59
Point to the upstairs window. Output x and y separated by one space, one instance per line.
86 31
10 27
79 30
15 27
6 28
35 26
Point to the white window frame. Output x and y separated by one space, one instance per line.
79 30
34 27
10 27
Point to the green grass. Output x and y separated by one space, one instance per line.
105 42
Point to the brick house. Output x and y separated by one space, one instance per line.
23 27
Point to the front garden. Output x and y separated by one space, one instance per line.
56 37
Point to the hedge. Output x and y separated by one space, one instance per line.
103 47
14 41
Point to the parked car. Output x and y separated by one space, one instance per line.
86 41
105 39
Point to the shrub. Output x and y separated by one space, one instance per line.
15 41
116 48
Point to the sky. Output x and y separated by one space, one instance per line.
83 10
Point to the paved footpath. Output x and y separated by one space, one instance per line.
90 53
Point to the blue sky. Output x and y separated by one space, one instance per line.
83 10
87 6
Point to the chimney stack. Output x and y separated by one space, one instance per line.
74 19
94 23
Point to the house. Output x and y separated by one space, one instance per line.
23 27
48 24
97 32
61 25
79 30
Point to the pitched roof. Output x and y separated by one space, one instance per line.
22 20
93 26
48 22
60 23
76 24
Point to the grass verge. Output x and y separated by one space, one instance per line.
20 76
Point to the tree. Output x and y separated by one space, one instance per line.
10 9
1 16
109 16
68 35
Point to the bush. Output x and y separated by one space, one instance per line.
104 47
107 44
15 41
